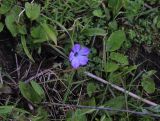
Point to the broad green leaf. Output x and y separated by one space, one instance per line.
42 115
132 34
158 24
148 74
10 23
116 103
6 109
94 32
115 5
15 11
88 102
1 26
133 8
146 118
91 88
98 13
22 29
5 89
129 69
148 85
111 67
29 93
32 10
38 89
76 116
24 45
115 78
113 25
120 58
39 34
5 6
51 32
155 109
115 40
104 118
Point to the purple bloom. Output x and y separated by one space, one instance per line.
78 56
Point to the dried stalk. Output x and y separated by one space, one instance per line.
121 89
71 106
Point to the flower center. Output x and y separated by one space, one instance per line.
76 54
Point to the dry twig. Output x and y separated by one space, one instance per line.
121 89
69 106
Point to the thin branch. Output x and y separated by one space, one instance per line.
17 66
121 89
39 74
102 108
1 80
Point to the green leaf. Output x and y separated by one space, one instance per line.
42 115
22 29
98 13
116 40
116 103
94 32
158 24
155 109
11 24
148 85
148 74
104 118
133 8
111 67
120 58
91 88
88 102
115 78
1 26
113 25
38 89
39 34
5 89
11 21
76 116
51 32
24 45
132 34
5 6
29 93
129 69
32 10
6 109
115 5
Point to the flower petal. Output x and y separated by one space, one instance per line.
71 56
84 51
76 48
82 60
75 63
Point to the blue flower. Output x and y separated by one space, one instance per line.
79 56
